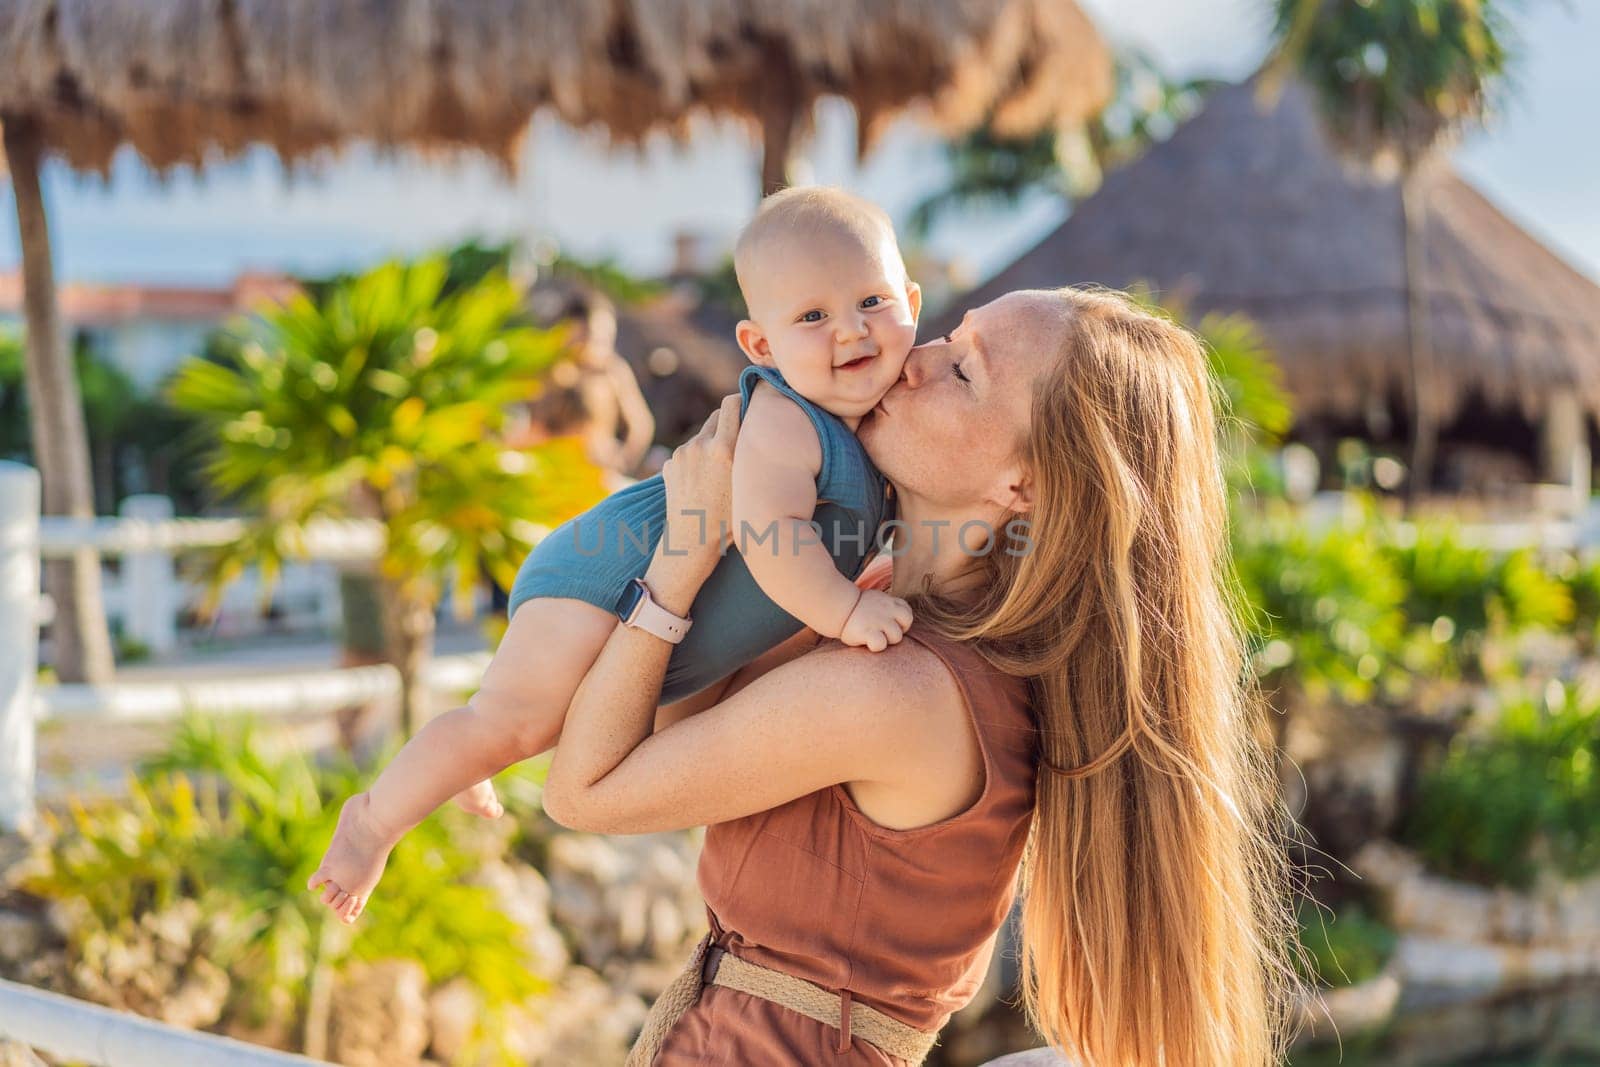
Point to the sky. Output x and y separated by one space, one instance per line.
1539 160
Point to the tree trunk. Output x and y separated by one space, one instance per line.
776 134
1424 420
82 645
408 634
776 107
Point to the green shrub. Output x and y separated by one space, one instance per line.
1327 606
1583 586
1516 798
1445 579
1348 948
225 821
1357 611
1528 595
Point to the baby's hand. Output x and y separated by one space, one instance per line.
877 621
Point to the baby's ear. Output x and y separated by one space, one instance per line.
753 342
914 299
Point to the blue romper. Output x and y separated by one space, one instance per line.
593 556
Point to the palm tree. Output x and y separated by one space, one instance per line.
1396 79
82 644
383 398
989 170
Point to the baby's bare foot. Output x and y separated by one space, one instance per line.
480 799
351 867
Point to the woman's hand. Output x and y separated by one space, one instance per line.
698 479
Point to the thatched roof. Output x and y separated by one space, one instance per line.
185 81
1248 209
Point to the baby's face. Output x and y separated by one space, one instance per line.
836 319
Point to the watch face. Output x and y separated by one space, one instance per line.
631 595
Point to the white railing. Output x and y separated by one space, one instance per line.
243 694
147 595
79 1032
1550 526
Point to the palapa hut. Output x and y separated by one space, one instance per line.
686 359
1246 208
187 82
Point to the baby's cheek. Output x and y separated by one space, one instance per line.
900 339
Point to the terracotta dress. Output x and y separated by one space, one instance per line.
901 920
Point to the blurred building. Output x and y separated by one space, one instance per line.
1247 208
146 331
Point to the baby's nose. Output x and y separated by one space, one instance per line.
850 327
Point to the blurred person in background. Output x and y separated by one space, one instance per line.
594 395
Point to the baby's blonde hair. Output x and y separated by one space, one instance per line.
810 211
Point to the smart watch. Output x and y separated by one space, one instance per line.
636 608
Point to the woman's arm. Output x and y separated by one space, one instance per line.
836 715
876 575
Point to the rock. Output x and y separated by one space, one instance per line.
632 917
1353 1009
1352 763
624 899
274 1026
15 852
524 896
584 1020
666 865
22 938
379 1015
14 1055
453 1012
1558 916
666 927
154 966
1435 961
198 1001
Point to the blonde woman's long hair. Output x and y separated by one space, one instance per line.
1158 924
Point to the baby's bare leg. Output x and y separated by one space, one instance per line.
517 713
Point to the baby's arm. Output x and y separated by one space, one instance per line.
775 465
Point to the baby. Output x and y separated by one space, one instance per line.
832 318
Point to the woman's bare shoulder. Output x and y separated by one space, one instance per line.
902 685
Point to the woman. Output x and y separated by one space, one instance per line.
867 812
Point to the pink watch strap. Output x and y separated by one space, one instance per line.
654 619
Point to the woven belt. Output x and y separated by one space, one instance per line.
712 965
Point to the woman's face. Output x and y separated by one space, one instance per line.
951 429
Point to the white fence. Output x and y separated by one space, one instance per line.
79 1032
148 595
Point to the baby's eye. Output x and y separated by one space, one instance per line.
957 368
814 315
872 301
